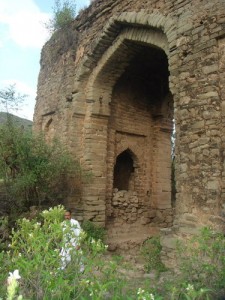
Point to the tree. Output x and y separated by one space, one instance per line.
32 170
10 100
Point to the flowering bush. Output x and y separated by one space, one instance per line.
13 285
144 295
35 251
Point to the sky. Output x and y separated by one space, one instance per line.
22 35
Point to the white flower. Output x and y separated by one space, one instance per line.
140 291
13 276
152 297
190 287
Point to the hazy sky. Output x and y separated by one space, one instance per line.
22 35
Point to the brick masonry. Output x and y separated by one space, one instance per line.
112 84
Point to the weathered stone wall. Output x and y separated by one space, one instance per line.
86 97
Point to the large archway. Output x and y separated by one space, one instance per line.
129 102
141 120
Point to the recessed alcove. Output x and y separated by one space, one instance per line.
123 169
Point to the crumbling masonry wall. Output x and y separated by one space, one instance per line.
113 83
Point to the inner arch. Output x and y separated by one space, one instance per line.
130 88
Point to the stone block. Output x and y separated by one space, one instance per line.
190 230
145 220
169 242
210 69
213 185
190 217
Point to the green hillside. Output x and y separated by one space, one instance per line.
17 120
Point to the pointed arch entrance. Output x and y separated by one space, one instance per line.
129 102
123 175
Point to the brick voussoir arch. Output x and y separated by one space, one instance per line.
152 30
155 21
130 150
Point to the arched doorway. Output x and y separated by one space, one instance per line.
129 99
124 172
140 119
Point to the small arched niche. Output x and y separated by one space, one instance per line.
123 171
48 130
47 126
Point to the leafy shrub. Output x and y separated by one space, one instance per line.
4 231
202 260
35 252
93 231
29 169
64 13
151 250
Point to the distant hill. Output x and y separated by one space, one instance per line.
17 120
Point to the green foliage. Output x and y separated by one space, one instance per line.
145 295
4 231
202 260
64 12
35 252
10 100
201 265
189 292
151 250
94 231
33 170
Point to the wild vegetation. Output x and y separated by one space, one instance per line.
151 250
32 257
64 13
28 169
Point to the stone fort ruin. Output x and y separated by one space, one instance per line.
112 86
